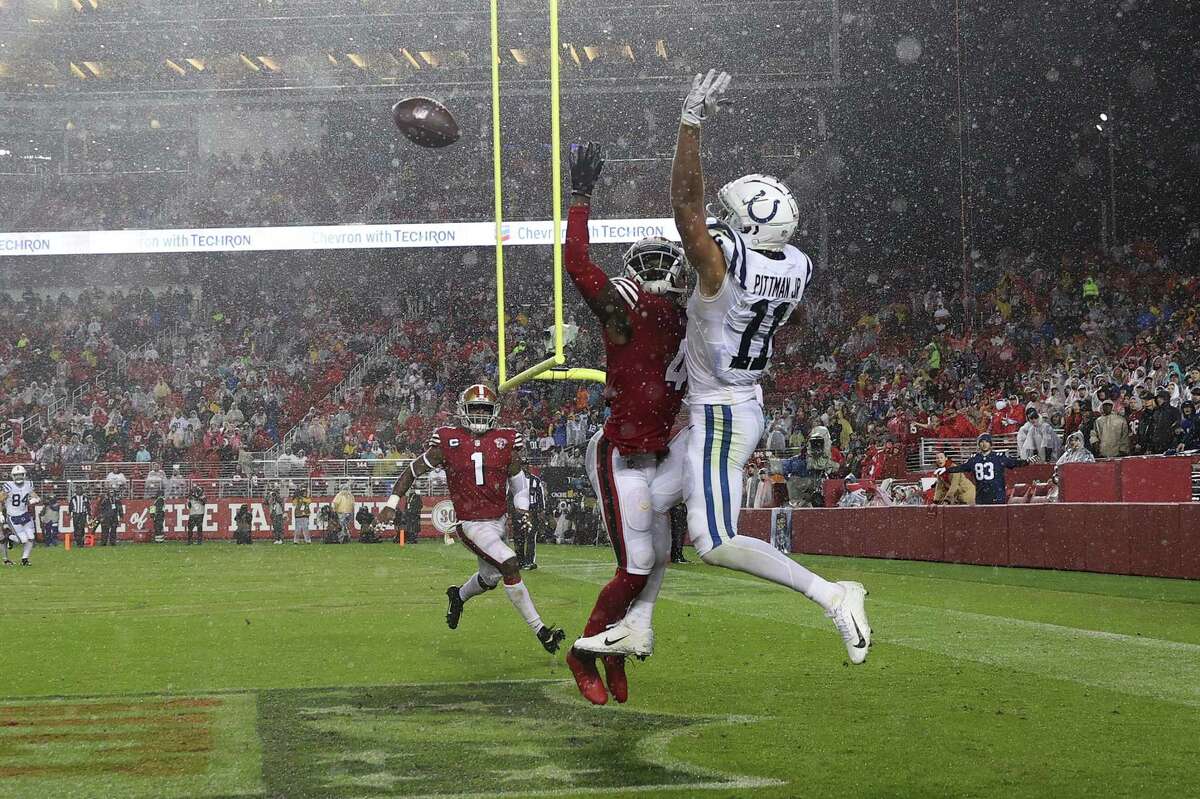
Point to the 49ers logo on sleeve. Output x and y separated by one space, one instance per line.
443 518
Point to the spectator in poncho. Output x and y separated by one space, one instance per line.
1075 452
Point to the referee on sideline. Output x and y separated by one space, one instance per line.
80 510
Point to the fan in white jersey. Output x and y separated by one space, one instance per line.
18 498
750 280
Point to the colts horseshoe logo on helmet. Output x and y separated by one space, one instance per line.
762 220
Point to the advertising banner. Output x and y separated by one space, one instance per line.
437 517
321 237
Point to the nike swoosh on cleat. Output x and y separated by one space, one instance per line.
607 642
862 642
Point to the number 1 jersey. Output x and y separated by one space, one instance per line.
477 469
729 336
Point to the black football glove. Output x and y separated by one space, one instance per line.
586 162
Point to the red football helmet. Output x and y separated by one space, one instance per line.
478 408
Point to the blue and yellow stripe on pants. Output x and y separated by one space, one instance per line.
718 436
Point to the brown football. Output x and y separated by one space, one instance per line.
426 122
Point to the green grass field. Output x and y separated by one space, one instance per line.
222 671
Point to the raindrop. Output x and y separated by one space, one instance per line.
1142 78
908 49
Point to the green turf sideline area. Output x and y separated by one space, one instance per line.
318 671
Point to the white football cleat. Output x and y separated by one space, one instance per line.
620 639
850 618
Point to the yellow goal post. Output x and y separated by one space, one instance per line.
554 367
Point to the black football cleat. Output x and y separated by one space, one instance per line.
454 613
24 561
551 637
529 567
8 562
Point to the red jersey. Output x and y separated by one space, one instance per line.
646 377
477 469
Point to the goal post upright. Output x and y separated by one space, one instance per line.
552 367
498 206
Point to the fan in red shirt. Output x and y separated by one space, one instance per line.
1007 419
483 463
635 478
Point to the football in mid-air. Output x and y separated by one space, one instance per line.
426 122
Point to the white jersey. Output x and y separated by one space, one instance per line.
729 336
17 500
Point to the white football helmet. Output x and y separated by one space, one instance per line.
657 265
478 408
18 474
761 208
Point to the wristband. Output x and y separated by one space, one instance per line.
393 501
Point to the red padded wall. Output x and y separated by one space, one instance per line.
1188 564
977 534
1090 482
1155 546
1156 480
1045 536
755 523
1161 540
1104 529
1027 535
910 533
821 536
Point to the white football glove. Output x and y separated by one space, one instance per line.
703 99
939 471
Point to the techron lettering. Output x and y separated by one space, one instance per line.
24 245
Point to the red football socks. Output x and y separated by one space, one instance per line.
614 600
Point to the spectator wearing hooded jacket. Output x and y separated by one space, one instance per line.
1189 427
820 453
1036 440
1110 433
1165 435
1075 452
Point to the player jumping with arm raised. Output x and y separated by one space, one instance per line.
641 315
18 499
750 282
482 463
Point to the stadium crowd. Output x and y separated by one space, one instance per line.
1053 345
1108 348
175 375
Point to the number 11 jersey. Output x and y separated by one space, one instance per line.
729 336
477 469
